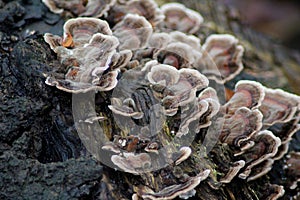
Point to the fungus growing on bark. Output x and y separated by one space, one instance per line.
184 91
208 95
189 44
284 131
260 169
164 75
233 171
175 54
282 150
133 32
86 52
200 110
177 87
191 40
146 8
152 147
77 33
133 163
173 191
93 59
87 8
249 94
127 107
80 30
180 18
159 40
120 59
53 40
241 126
185 152
224 52
97 8
58 7
190 115
160 92
266 146
278 106
175 48
110 146
171 87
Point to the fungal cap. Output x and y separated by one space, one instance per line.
164 75
241 126
82 29
52 6
97 8
132 163
177 54
278 106
174 191
178 17
233 171
133 32
260 170
265 140
248 94
126 107
225 53
185 152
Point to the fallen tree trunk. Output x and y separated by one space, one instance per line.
41 154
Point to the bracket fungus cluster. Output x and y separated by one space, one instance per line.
153 73
94 8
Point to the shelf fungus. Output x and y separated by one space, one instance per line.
133 32
208 95
224 52
183 190
247 94
266 146
176 49
241 126
84 8
180 18
131 163
233 171
145 8
161 110
175 87
253 141
278 106
88 55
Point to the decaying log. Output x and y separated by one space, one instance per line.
41 155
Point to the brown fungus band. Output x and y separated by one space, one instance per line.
162 112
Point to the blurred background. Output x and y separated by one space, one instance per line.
278 18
